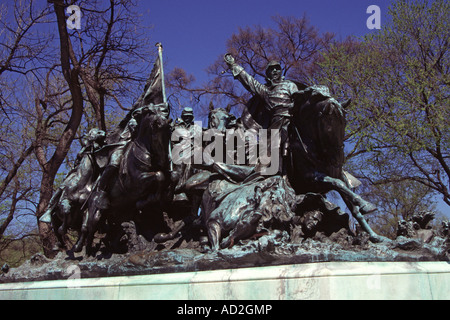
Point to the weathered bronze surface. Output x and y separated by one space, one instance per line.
139 212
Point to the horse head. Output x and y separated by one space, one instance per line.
221 119
153 134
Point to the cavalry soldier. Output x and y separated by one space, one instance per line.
112 169
82 170
186 120
278 96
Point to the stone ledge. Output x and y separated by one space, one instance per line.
331 280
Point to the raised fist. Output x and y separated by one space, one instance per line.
229 59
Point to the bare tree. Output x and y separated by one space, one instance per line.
107 48
21 46
53 84
22 51
294 42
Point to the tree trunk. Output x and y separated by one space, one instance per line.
51 167
45 230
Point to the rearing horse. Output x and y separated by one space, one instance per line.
316 134
219 119
316 138
142 177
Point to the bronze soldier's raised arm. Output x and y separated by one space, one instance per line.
277 93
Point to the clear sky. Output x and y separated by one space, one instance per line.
194 33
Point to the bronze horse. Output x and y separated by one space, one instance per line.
142 177
316 158
67 207
198 180
316 134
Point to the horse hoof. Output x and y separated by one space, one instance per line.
226 243
77 248
205 249
379 239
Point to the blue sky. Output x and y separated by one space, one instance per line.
194 33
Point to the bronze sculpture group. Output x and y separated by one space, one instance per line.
131 176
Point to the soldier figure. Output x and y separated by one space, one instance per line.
278 96
187 119
184 170
82 170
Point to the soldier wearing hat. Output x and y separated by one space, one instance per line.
186 122
184 170
278 96
187 118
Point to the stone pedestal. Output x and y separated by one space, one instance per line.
330 280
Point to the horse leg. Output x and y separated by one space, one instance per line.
214 234
355 210
159 178
56 223
83 232
196 201
66 208
60 227
356 204
54 202
364 206
94 215
92 227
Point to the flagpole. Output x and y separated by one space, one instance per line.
163 89
160 48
